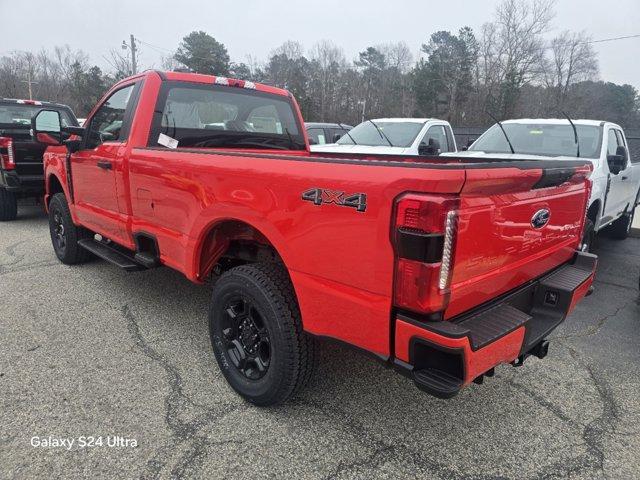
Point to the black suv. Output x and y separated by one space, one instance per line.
21 172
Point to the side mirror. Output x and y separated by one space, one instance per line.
430 149
617 163
336 137
46 127
622 151
470 142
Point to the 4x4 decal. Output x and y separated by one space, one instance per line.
320 195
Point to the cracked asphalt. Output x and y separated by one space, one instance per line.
93 351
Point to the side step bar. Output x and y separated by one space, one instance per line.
123 259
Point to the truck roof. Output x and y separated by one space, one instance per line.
21 101
211 79
556 121
405 120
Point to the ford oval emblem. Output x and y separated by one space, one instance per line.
540 218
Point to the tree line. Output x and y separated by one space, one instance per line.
506 69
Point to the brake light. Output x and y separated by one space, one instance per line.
7 159
424 240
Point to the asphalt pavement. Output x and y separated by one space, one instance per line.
92 351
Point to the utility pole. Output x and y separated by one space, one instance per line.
134 67
29 82
131 46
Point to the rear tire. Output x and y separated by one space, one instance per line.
65 234
8 206
257 336
621 227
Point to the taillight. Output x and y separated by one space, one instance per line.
424 240
7 160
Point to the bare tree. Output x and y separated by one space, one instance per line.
573 59
515 49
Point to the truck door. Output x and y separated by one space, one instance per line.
626 176
95 166
617 194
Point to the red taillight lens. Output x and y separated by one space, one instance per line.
424 240
7 160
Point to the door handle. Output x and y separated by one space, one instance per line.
105 164
624 178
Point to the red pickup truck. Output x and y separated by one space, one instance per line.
443 268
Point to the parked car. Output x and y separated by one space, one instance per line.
424 263
21 174
395 136
616 179
321 133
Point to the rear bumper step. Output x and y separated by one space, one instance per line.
444 356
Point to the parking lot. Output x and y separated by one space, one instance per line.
93 351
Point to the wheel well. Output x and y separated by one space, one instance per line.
54 186
231 243
594 211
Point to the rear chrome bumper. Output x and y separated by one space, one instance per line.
444 356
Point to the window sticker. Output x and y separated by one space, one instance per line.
167 141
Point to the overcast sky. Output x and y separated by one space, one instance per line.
253 27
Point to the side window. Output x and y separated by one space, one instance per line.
612 142
106 124
436 134
620 138
336 134
317 136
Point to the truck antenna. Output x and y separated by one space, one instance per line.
575 134
502 128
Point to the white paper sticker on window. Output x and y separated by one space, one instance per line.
167 141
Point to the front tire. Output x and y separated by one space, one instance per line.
64 233
257 336
8 206
621 227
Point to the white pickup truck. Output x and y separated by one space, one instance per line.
395 136
616 179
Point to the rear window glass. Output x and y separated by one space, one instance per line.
20 114
208 116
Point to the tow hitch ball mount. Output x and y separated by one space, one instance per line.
540 350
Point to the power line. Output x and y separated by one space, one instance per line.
612 39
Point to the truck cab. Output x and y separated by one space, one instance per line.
395 136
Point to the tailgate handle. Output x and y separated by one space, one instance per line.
105 164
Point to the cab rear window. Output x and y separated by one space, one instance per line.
20 114
216 116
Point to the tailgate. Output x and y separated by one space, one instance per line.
513 226
27 153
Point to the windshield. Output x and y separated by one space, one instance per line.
400 134
197 115
541 139
20 114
